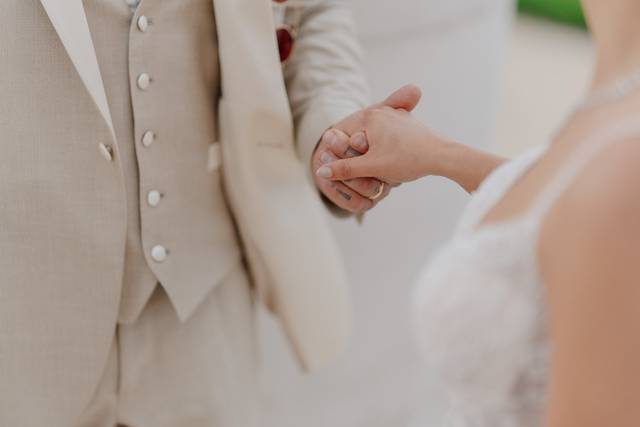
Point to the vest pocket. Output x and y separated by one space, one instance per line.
214 156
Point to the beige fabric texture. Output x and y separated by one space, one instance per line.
201 239
199 373
63 210
295 261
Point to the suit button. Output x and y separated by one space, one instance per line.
147 138
106 152
144 80
143 23
159 253
153 198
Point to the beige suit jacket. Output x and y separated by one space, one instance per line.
62 206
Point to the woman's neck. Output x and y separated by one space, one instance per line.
614 24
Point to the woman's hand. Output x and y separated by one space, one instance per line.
398 148
360 194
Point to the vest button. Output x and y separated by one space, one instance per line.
159 253
153 198
143 81
143 23
147 138
106 152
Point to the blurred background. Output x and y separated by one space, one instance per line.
491 78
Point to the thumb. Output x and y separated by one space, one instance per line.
406 98
345 169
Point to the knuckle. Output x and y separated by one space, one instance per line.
324 140
345 169
334 149
369 115
338 149
341 137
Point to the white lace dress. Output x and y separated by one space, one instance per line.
480 304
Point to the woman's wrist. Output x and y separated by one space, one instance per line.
445 158
465 165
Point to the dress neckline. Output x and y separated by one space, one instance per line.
510 174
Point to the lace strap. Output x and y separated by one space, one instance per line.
616 132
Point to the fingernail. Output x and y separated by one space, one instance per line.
359 141
326 158
330 137
324 172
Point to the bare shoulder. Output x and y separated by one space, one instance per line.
589 259
599 215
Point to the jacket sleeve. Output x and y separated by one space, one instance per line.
324 77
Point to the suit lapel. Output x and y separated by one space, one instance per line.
70 22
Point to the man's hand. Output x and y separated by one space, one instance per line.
357 195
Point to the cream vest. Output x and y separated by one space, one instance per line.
179 231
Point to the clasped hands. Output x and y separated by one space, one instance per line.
347 169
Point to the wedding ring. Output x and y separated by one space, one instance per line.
378 194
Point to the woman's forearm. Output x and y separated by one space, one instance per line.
465 165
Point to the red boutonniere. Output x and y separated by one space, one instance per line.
287 15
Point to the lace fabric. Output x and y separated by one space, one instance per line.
480 306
